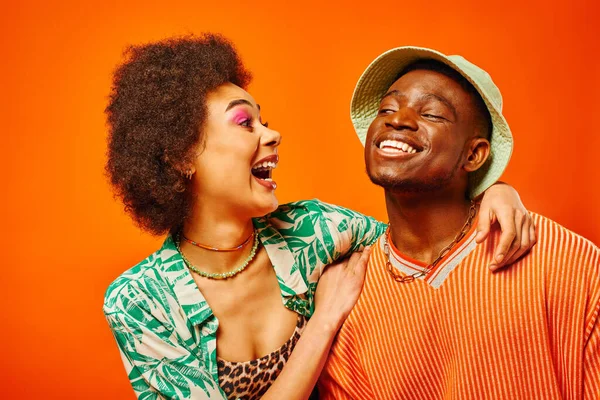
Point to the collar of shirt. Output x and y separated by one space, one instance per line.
437 276
194 305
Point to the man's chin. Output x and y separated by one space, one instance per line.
387 182
405 185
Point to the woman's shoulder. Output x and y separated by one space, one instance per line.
140 284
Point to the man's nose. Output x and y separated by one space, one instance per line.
404 118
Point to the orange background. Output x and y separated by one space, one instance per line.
65 239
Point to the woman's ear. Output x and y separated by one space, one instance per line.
185 169
188 171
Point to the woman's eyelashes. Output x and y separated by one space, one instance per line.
248 121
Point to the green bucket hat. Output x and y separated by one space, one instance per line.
381 74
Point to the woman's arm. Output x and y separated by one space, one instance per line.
157 364
160 366
343 231
338 290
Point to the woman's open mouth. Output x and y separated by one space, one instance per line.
263 171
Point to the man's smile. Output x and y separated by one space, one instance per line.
395 145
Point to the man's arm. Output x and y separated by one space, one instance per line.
591 350
591 361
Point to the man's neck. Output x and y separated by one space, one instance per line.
423 224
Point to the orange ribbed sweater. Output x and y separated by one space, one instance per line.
530 331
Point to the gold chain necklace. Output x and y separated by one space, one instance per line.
409 278
212 248
221 275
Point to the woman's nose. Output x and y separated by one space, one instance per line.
270 137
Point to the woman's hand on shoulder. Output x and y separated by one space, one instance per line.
501 203
338 289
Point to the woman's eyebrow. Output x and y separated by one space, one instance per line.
238 102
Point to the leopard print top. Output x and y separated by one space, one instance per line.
250 380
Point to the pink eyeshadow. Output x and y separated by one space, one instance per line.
240 116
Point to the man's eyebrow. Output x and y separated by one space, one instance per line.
428 96
238 102
392 93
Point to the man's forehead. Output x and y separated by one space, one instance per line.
423 78
427 81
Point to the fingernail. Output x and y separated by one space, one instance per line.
493 267
499 257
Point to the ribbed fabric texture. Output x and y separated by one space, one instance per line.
530 331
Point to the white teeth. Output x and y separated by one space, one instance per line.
405 147
268 179
265 165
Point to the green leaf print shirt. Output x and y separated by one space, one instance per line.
166 331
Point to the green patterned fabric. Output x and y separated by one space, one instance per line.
166 331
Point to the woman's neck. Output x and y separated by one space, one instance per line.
220 229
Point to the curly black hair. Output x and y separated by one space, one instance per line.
156 109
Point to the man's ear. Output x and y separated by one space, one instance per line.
478 151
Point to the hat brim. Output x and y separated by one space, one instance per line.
381 74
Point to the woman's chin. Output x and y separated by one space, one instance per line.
266 205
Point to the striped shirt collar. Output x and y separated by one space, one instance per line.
449 262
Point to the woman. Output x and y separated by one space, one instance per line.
190 156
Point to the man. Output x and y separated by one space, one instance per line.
430 322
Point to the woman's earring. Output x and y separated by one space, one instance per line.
188 174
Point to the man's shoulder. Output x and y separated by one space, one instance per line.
552 236
562 253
